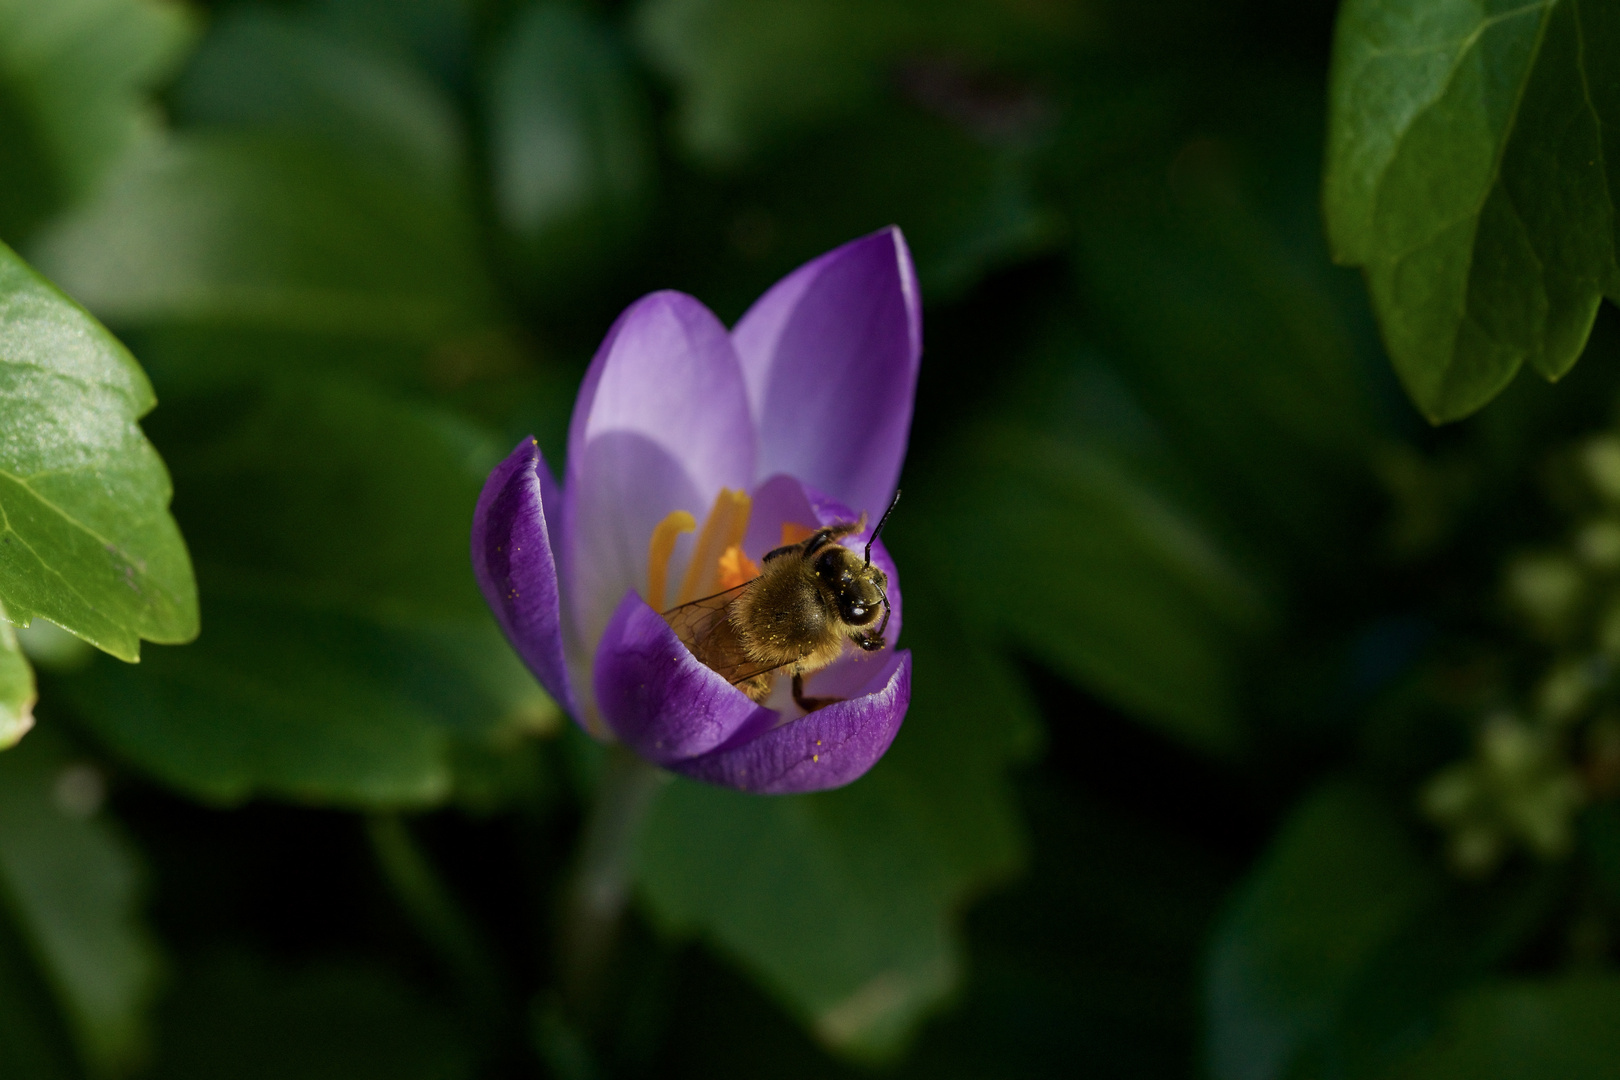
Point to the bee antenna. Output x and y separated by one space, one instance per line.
881 522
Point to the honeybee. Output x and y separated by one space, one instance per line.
795 616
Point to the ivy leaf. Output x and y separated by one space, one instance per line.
73 75
1471 174
71 886
844 903
86 539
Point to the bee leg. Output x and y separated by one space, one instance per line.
809 704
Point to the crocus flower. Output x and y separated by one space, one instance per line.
692 452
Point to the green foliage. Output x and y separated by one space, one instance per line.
73 74
84 499
238 1017
346 642
1468 174
569 145
272 230
17 694
70 886
843 902
1526 1030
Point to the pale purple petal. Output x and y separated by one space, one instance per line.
661 424
512 559
656 696
830 357
826 749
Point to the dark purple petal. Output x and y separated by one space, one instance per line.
830 357
656 696
661 424
826 749
512 558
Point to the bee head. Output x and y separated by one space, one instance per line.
855 588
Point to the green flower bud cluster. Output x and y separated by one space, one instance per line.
1534 766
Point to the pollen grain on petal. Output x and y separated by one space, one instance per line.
659 549
724 528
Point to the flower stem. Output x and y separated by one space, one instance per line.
599 889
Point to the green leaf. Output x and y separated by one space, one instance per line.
239 1018
1121 587
85 532
1527 1030
844 903
73 80
266 69
275 232
1339 885
17 693
349 658
1469 173
71 886
571 144
747 73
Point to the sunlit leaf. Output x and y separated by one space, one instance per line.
1469 172
71 886
86 539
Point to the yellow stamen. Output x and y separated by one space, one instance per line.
794 533
659 549
735 568
725 527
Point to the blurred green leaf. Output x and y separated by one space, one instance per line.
260 68
571 145
1232 334
331 493
1100 570
1339 885
348 654
239 1019
1560 1029
313 706
84 524
844 903
275 232
73 79
17 693
746 73
1467 174
72 887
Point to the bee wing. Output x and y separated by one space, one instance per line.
704 627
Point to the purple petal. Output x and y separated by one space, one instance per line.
512 558
656 696
826 749
830 357
661 424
